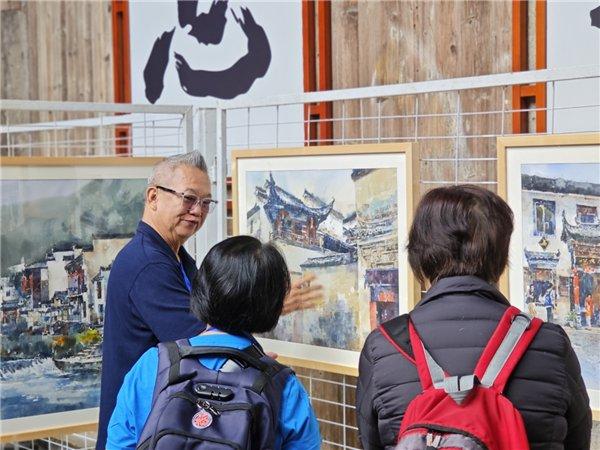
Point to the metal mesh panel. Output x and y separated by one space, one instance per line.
31 128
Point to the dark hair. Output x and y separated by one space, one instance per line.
240 286
460 230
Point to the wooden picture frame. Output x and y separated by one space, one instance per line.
63 222
342 213
552 184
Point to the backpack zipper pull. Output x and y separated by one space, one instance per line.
208 407
433 441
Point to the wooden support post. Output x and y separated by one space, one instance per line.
524 94
121 70
316 30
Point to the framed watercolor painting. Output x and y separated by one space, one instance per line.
63 221
341 213
552 184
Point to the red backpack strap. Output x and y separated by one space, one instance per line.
404 338
430 373
396 333
508 344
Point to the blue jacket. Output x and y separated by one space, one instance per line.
147 302
298 428
549 299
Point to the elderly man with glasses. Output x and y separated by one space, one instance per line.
149 283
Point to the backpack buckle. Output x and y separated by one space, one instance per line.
524 316
459 388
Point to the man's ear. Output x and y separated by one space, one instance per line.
152 197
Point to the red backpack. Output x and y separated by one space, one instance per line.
468 412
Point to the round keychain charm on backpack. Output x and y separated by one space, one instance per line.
202 419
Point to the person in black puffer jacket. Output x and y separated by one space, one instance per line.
459 243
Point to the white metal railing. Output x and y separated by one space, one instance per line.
375 117
153 129
268 119
423 87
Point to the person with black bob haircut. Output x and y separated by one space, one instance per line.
240 286
239 290
459 244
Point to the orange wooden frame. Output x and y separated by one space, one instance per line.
121 70
523 94
316 52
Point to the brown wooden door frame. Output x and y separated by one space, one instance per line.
121 70
523 95
316 52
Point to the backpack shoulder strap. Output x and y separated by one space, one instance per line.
401 333
396 333
273 366
276 372
168 366
430 372
271 385
504 350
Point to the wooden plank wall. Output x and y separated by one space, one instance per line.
402 41
57 51
376 43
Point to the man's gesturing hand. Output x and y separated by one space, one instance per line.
303 294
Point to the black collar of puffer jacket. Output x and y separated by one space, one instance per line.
462 285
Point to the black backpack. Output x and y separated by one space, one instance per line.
195 408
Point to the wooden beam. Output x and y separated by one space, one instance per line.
121 51
528 90
121 69
540 63
529 93
308 45
308 57
316 38
324 67
519 63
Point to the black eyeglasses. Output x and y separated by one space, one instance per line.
190 201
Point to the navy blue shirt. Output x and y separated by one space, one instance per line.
148 300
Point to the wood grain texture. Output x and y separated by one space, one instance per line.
407 41
57 51
51 431
70 161
344 20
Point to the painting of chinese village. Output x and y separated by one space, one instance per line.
342 226
59 238
561 254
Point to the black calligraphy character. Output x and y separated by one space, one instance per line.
208 28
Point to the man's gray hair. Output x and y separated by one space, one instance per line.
168 165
